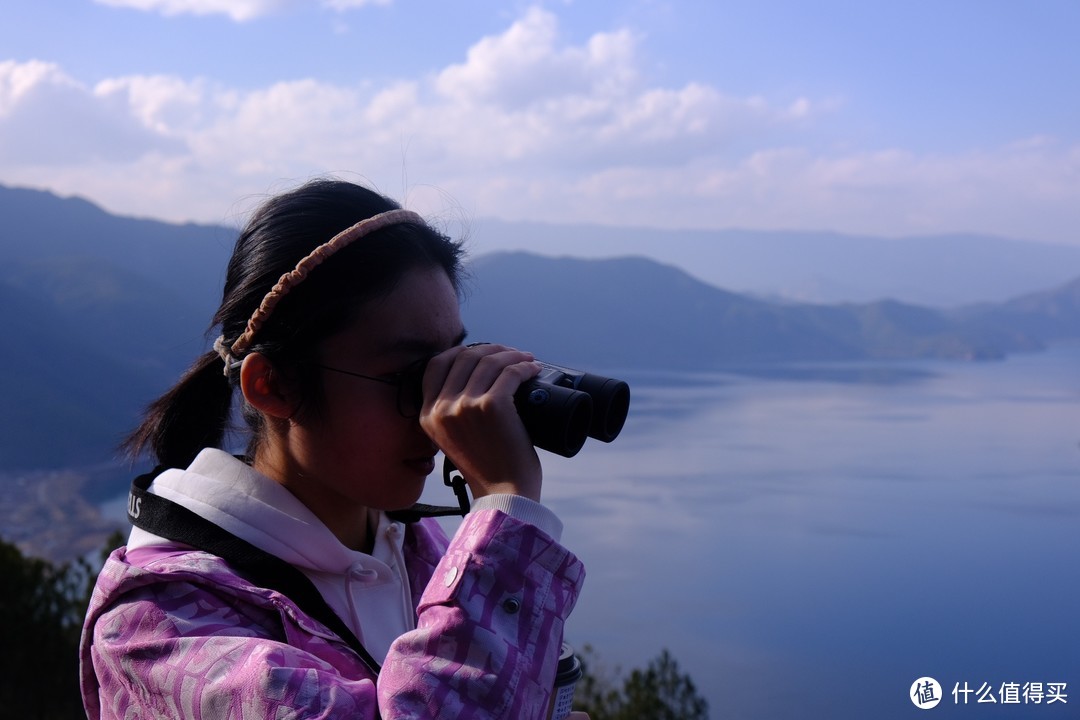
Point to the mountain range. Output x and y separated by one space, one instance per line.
633 313
819 267
100 313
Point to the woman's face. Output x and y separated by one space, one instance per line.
358 450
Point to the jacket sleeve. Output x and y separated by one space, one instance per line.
175 650
489 629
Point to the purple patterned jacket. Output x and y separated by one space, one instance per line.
177 634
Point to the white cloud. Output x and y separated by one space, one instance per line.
526 66
47 119
352 4
238 10
164 104
527 126
17 80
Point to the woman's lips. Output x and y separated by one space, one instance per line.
423 465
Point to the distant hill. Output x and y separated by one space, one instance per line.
188 259
99 314
636 313
820 267
1049 315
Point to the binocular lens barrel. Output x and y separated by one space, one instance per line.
562 408
611 403
557 418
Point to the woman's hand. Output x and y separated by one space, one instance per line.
469 413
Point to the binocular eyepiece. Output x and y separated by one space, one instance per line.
561 408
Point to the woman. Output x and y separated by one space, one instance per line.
340 328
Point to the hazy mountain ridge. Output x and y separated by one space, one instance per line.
1048 314
951 270
621 313
99 314
187 259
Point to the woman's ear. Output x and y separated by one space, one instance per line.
265 389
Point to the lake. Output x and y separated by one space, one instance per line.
811 543
808 541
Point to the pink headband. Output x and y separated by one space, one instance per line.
289 280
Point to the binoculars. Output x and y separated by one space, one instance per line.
561 408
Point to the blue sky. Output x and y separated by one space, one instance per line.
899 118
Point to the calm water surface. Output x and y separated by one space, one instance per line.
809 545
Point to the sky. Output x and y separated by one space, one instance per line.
882 118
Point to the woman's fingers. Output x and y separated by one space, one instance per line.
469 413
469 373
471 370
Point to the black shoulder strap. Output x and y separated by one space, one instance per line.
169 520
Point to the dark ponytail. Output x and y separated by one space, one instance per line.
196 412
193 415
